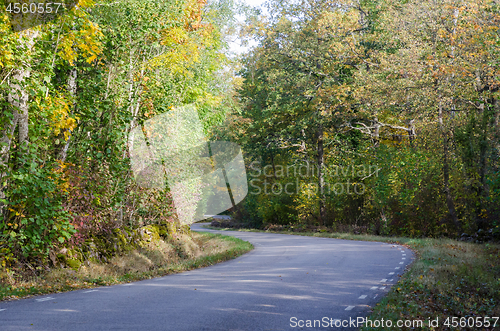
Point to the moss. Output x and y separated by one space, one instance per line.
75 254
122 240
186 229
103 247
99 248
162 230
93 260
148 234
74 264
171 228
72 258
120 236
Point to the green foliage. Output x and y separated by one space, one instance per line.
35 219
346 85
90 77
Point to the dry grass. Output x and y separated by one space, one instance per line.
158 258
450 279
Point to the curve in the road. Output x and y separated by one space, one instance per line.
282 284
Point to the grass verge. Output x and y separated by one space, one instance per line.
158 260
448 279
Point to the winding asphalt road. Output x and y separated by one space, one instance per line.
280 285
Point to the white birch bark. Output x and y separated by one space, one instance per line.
18 96
18 99
72 91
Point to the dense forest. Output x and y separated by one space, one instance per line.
72 90
372 116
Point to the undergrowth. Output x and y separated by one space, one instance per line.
159 259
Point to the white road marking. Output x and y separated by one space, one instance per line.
90 291
382 288
383 280
2 309
401 262
374 288
391 273
127 284
349 308
45 299
402 251
391 280
404 254
404 258
397 268
362 297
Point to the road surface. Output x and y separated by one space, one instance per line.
282 284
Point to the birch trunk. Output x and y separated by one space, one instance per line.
17 98
72 91
321 179
376 133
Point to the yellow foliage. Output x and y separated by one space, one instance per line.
183 54
85 3
5 52
185 42
86 40
211 100
60 110
174 36
306 202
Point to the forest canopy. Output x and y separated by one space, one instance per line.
73 89
408 89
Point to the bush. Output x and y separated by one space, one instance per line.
35 219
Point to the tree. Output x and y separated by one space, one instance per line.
74 88
299 83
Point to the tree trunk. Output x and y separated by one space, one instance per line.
321 179
18 96
376 133
483 190
411 131
134 99
496 132
72 91
274 166
446 174
6 136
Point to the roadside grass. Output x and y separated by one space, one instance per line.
448 278
158 260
